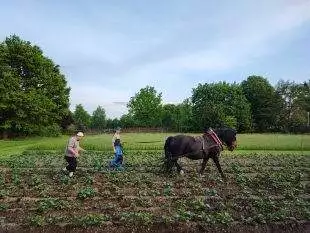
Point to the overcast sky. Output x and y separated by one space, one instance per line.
108 50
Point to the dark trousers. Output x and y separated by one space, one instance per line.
117 161
72 163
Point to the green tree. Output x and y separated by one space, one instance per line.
67 120
295 104
178 117
34 94
113 123
170 117
146 107
305 95
127 121
266 103
220 104
186 123
81 118
98 119
306 100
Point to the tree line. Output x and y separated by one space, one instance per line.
254 105
34 100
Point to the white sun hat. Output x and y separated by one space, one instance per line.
80 134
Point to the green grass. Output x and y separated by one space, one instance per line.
155 141
285 142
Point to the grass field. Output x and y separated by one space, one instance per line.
268 190
155 141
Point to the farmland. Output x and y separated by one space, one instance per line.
268 188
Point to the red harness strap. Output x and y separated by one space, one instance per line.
215 138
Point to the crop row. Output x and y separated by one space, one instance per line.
181 209
53 159
260 189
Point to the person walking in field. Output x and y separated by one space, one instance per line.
117 162
72 153
117 135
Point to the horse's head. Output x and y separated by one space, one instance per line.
228 137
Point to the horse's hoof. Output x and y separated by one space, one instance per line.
182 173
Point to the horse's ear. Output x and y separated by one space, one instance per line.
206 129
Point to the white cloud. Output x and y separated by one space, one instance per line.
251 38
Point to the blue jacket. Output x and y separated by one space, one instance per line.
118 150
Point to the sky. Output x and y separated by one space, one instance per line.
109 50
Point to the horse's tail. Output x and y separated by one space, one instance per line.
168 154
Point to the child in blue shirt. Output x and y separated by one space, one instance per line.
117 162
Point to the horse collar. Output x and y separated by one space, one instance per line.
215 138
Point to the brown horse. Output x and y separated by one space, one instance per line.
209 145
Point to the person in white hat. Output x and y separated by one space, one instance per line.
72 152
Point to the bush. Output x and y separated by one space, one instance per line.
49 131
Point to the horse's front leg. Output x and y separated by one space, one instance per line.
204 164
218 165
